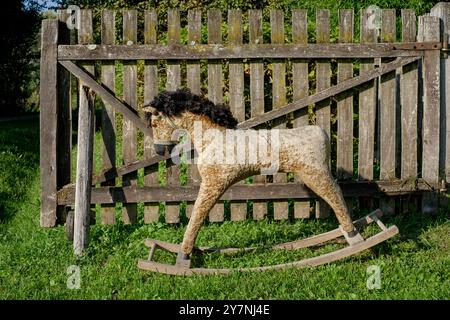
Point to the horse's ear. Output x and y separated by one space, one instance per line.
150 109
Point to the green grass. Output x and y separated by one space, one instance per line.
34 261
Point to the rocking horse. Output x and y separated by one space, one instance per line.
303 150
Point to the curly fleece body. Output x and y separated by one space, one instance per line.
172 103
302 150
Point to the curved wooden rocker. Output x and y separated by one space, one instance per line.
186 270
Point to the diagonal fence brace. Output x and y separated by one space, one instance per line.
131 114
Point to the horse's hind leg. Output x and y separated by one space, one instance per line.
321 182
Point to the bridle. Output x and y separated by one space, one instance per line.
173 125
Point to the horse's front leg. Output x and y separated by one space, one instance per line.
211 189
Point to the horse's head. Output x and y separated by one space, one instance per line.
163 127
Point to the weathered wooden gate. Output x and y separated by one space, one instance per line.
394 92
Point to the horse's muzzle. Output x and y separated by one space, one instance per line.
160 149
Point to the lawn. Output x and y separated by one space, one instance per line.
34 261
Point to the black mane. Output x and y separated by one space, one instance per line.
172 103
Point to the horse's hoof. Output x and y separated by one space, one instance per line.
183 260
353 237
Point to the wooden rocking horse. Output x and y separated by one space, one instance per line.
304 151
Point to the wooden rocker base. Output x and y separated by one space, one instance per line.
350 250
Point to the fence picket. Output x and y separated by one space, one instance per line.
108 212
151 178
367 107
215 84
257 93
280 208
442 10
388 104
237 103
323 81
173 83
129 143
429 30
194 37
409 108
86 36
194 83
300 83
64 136
64 142
344 157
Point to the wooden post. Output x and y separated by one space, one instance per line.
300 83
84 170
442 10
257 93
85 145
48 121
151 210
237 102
429 30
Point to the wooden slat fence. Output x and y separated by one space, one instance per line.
380 147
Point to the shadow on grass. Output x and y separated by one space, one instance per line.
19 163
412 226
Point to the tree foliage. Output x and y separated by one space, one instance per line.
420 6
19 56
